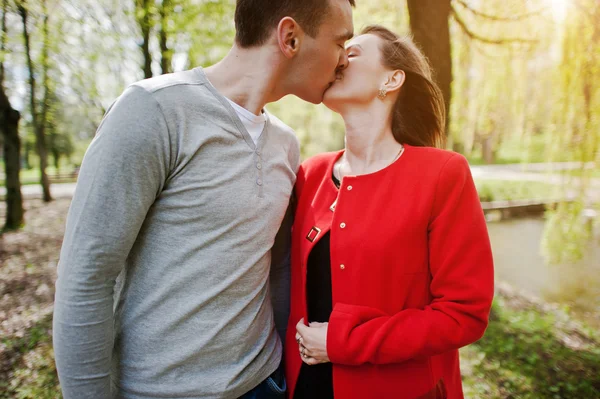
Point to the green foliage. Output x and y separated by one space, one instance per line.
35 335
522 356
534 100
507 190
34 376
576 128
486 193
504 93
566 235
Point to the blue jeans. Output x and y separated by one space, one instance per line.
273 387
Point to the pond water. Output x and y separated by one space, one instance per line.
519 261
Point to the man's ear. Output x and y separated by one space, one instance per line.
395 81
289 36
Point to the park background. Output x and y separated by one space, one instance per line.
521 80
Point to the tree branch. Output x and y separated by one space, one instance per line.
3 40
484 39
45 61
501 19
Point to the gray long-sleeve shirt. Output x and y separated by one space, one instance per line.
175 216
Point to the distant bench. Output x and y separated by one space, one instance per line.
66 177
519 208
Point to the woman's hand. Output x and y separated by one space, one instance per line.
312 342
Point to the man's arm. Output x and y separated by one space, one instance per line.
280 274
122 174
281 255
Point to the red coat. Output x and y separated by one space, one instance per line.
411 271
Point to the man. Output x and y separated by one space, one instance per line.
179 201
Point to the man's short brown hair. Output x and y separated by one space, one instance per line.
254 19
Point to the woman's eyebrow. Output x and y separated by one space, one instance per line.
354 45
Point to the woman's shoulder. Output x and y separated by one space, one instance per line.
437 158
433 165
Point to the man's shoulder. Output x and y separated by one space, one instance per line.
281 133
181 94
171 80
280 126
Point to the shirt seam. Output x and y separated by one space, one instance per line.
162 112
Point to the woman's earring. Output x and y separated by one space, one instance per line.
382 94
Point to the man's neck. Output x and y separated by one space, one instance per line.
249 77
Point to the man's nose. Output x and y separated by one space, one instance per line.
343 64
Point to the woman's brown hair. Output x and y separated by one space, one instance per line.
419 115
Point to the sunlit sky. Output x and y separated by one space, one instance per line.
559 8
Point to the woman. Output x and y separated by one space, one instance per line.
391 262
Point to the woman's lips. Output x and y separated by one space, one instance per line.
338 78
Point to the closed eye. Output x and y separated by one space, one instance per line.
352 50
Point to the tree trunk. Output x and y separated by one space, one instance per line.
144 21
429 23
26 153
56 156
487 150
9 122
165 52
9 127
38 124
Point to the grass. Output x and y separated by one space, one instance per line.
508 190
523 355
35 335
595 173
476 160
33 374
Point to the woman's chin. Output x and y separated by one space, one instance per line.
333 98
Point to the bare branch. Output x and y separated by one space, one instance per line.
502 19
484 39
